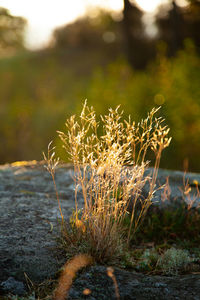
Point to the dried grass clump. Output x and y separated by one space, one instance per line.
110 169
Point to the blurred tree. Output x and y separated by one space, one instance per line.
100 31
176 24
11 31
139 47
192 19
95 30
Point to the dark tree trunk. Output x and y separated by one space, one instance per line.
177 28
137 46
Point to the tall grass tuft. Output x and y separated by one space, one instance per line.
110 170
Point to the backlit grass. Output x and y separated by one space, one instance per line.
110 170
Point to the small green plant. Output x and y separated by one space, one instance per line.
178 223
173 260
111 171
148 260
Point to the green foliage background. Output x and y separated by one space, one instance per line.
172 84
38 91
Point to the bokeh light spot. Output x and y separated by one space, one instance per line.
159 99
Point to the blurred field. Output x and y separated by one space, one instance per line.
37 92
40 89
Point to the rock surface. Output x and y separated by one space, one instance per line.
29 220
134 286
175 186
30 217
13 286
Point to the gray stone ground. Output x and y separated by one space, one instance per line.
134 286
29 220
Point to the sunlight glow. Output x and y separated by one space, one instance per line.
44 16
150 5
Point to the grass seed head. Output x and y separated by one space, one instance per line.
102 170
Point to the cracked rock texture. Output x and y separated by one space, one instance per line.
29 222
30 218
134 286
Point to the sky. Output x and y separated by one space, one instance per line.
44 16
